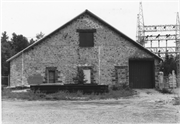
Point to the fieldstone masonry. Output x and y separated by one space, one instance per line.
61 50
122 75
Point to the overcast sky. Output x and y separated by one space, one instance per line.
31 17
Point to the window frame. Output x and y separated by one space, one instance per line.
47 73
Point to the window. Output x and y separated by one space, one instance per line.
51 74
86 37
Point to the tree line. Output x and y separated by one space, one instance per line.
10 47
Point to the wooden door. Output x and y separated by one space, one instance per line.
141 74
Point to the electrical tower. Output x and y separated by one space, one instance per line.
158 34
178 45
140 26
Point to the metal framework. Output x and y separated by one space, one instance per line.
158 34
178 45
140 26
178 33
157 28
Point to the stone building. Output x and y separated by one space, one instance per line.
106 56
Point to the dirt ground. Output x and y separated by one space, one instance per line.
149 106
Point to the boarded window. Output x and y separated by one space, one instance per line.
51 73
86 38
52 76
121 74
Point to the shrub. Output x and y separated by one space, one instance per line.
120 87
112 94
177 101
119 93
20 87
80 78
61 95
93 96
79 94
29 95
165 90
64 95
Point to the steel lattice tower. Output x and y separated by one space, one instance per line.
178 33
158 34
178 45
140 26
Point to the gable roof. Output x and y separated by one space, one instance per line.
97 18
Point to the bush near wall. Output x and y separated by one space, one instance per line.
84 88
64 95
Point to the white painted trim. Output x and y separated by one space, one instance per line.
99 48
22 69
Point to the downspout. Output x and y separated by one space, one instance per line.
99 64
22 68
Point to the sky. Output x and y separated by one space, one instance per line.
34 16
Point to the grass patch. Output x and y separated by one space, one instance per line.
29 95
62 95
112 94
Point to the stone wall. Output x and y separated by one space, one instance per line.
62 50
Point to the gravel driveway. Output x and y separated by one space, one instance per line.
148 106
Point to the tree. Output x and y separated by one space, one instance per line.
31 41
6 52
80 78
19 42
169 65
4 37
39 36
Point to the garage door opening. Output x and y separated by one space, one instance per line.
141 74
